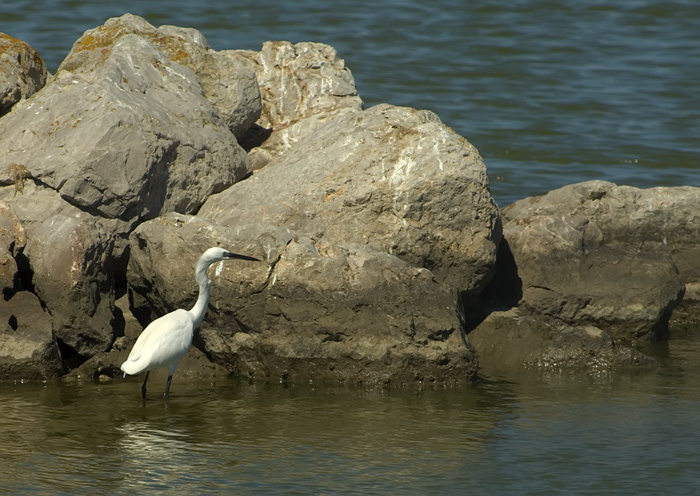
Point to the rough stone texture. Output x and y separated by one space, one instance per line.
313 311
28 349
510 340
297 82
567 272
22 72
70 255
390 178
123 132
661 221
12 241
226 78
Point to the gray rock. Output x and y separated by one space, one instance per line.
28 349
393 179
567 272
22 72
70 256
297 82
12 241
227 80
659 221
123 132
300 80
313 311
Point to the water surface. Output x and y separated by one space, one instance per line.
549 92
534 433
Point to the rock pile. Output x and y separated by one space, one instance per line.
382 245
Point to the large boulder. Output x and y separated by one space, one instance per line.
372 226
126 131
226 78
390 178
659 222
22 72
600 265
568 272
310 311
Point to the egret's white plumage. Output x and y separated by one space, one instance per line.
165 340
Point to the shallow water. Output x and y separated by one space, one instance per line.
549 92
612 433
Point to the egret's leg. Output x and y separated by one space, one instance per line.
167 387
143 388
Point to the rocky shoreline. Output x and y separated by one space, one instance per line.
386 259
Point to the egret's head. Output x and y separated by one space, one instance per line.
216 253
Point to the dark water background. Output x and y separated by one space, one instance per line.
550 93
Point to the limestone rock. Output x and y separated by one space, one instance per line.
567 272
22 72
227 79
124 132
393 179
28 349
297 82
654 221
313 311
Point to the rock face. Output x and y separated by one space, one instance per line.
301 85
369 239
28 349
22 72
138 121
660 223
394 179
590 256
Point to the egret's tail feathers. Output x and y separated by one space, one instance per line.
131 368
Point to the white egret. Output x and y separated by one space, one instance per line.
165 340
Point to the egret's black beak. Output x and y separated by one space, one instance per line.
230 256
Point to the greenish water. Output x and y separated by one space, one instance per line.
549 92
615 433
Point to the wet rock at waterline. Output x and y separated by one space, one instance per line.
310 310
380 240
510 340
589 256
28 348
659 224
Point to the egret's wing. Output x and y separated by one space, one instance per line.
162 341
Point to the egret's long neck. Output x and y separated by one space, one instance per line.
200 307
